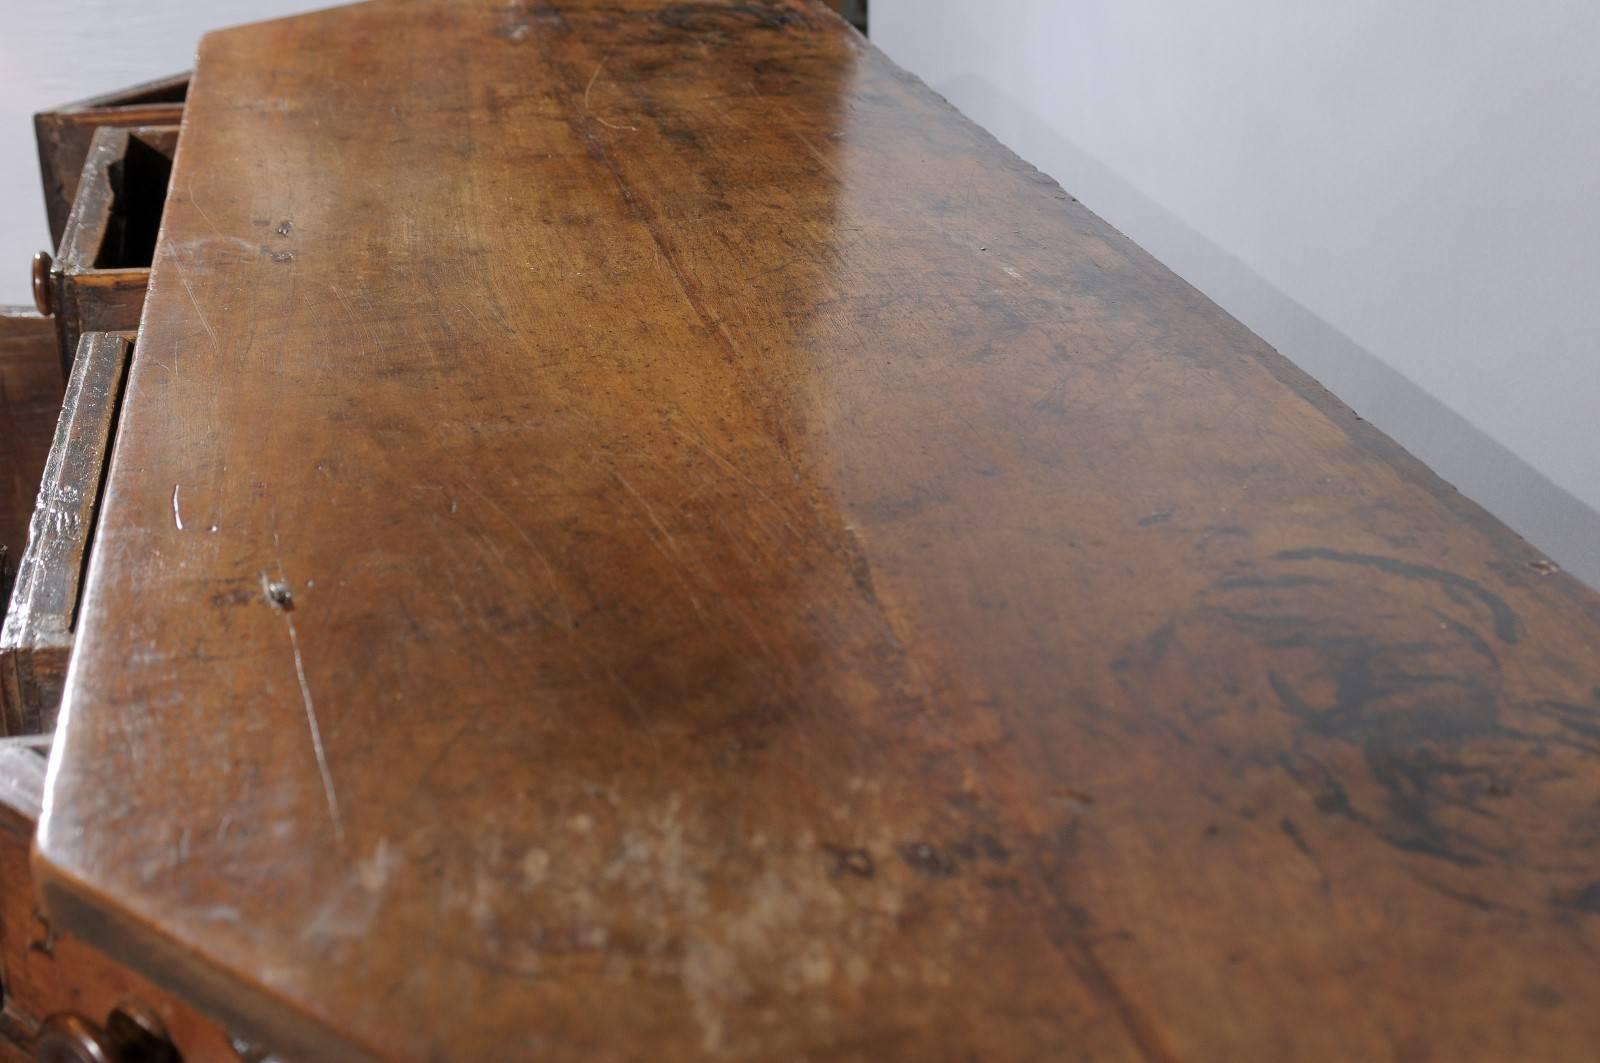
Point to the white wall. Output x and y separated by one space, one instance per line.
57 51
1403 198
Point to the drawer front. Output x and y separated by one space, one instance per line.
55 986
30 376
36 639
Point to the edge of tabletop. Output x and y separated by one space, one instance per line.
71 903
243 1008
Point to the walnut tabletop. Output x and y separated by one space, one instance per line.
637 532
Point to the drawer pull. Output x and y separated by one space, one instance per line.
41 283
133 1034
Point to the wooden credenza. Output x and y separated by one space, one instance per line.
632 530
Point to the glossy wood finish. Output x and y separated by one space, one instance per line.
65 134
30 399
638 533
36 638
102 266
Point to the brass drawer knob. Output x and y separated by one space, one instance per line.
42 264
133 1034
69 1038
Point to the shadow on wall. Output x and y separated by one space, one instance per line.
1549 517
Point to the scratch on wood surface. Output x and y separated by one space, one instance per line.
371 345
705 447
646 217
566 620
670 551
649 511
177 514
280 600
804 141
522 533
195 203
589 88
316 732
183 278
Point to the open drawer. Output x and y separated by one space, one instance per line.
97 281
65 134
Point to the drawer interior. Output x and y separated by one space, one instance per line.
138 185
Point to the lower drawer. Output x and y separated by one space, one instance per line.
36 638
62 999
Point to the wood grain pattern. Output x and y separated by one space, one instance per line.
30 398
689 548
36 637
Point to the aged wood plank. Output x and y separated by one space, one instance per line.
637 532
36 637
30 399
